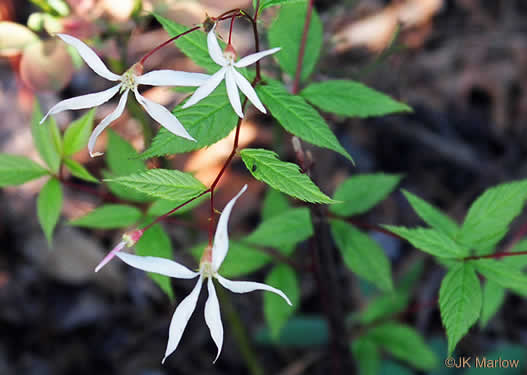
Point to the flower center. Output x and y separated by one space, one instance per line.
128 80
229 54
206 269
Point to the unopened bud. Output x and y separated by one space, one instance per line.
208 24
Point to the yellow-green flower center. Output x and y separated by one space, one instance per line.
128 80
206 269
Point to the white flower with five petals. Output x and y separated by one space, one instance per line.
209 265
233 79
128 81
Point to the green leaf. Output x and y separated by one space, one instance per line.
161 207
45 139
405 344
362 255
241 259
49 205
520 261
489 216
78 133
277 312
124 192
275 203
431 215
431 241
286 177
193 45
121 156
362 192
110 216
163 183
366 354
353 99
17 170
502 274
493 298
79 171
156 242
298 332
298 117
208 121
460 302
286 32
282 230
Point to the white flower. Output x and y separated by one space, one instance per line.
233 79
128 81
209 265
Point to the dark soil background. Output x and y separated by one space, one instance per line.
462 67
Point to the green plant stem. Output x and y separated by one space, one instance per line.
240 334
495 255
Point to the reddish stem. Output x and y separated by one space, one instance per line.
145 57
301 51
230 30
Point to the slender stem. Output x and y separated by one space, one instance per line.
230 30
301 51
495 255
517 238
162 217
145 57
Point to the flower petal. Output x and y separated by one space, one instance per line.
215 51
158 265
204 90
172 78
221 237
90 57
251 59
248 90
83 101
163 116
105 122
180 319
249 286
110 255
213 317
232 91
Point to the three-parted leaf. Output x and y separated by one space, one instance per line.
286 177
16 170
431 241
360 193
276 311
286 32
489 216
274 204
109 216
78 133
49 205
431 215
366 354
283 230
460 301
163 183
298 117
362 255
208 121
349 98
156 242
405 344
